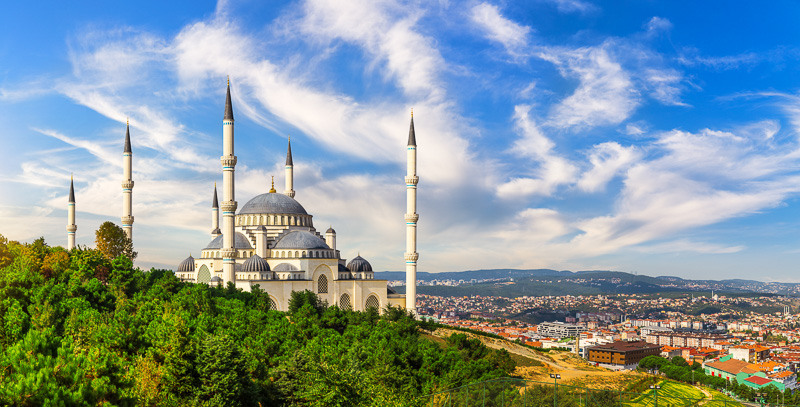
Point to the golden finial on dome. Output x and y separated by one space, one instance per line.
272 190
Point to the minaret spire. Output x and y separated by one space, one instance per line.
215 215
411 255
71 226
229 204
127 184
289 171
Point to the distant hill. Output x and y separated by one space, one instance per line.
537 282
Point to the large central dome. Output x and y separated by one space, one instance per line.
272 203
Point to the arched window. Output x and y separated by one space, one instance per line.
344 302
322 284
305 254
297 254
372 302
203 275
273 305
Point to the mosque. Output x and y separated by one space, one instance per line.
271 242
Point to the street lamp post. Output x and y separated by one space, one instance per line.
655 388
555 378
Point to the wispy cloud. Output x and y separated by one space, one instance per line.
513 36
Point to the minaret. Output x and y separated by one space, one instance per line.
71 226
127 185
215 215
411 255
289 171
228 200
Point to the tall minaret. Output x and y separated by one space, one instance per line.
289 171
228 200
71 226
127 185
215 215
411 254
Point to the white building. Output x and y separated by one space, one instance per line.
271 241
559 329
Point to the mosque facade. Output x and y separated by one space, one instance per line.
271 241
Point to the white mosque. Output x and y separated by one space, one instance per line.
271 242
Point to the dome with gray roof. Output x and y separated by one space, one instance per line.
272 203
255 264
216 279
358 265
285 267
241 242
301 239
187 265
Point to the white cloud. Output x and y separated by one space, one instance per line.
605 94
573 6
657 25
511 35
608 159
690 246
552 170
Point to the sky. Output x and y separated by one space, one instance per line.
661 138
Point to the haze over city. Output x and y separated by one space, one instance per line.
657 138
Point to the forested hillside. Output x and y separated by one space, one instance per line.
77 328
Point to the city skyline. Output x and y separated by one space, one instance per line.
564 134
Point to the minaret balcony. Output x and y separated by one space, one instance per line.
228 206
72 228
228 253
412 256
228 160
412 180
289 193
127 184
412 218
127 220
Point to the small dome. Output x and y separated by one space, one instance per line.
255 264
285 267
330 230
300 239
272 203
358 264
241 242
187 265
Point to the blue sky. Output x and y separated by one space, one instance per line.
655 137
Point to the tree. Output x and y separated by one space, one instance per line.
5 254
112 241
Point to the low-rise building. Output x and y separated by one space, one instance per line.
621 355
559 329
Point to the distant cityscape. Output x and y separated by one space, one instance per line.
748 338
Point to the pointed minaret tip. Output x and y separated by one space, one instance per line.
71 190
289 153
127 136
215 203
228 105
412 138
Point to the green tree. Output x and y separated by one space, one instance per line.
112 241
6 256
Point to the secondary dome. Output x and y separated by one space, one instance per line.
358 264
285 267
300 239
241 242
272 203
255 264
187 265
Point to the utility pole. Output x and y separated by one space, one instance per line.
655 388
555 378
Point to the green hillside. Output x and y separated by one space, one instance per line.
79 329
